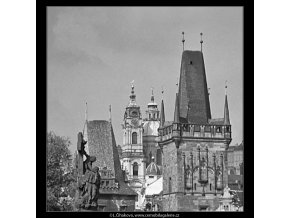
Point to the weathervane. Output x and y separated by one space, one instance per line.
183 40
152 95
162 91
201 42
226 86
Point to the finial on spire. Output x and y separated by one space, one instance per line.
226 107
162 113
152 95
226 87
86 114
183 40
132 86
201 41
110 114
162 91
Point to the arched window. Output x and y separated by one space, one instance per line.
135 169
194 186
134 138
210 187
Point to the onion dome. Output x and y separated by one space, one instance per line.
153 169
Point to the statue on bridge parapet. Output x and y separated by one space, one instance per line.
88 178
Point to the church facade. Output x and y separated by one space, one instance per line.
140 145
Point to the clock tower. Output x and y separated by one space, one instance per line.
132 157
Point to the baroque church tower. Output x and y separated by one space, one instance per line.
150 133
132 157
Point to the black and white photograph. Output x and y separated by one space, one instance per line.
145 109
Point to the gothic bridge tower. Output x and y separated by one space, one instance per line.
194 146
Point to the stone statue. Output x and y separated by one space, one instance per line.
203 169
188 177
88 179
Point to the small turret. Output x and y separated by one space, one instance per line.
226 109
162 115
176 111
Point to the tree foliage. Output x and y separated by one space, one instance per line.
61 176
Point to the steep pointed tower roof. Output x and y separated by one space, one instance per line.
226 112
193 96
176 111
162 114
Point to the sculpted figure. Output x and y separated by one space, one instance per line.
188 177
89 178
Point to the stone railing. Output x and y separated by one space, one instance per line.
194 130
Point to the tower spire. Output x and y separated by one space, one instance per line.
226 108
110 114
86 113
152 95
162 114
201 42
183 40
176 111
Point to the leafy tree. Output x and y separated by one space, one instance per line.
61 176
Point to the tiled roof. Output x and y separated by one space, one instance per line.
102 144
193 93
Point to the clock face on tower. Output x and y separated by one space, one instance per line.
133 113
134 122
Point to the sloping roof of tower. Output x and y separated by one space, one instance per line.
194 104
226 112
102 144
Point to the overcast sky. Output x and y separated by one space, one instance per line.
95 52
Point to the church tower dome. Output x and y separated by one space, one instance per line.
153 169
